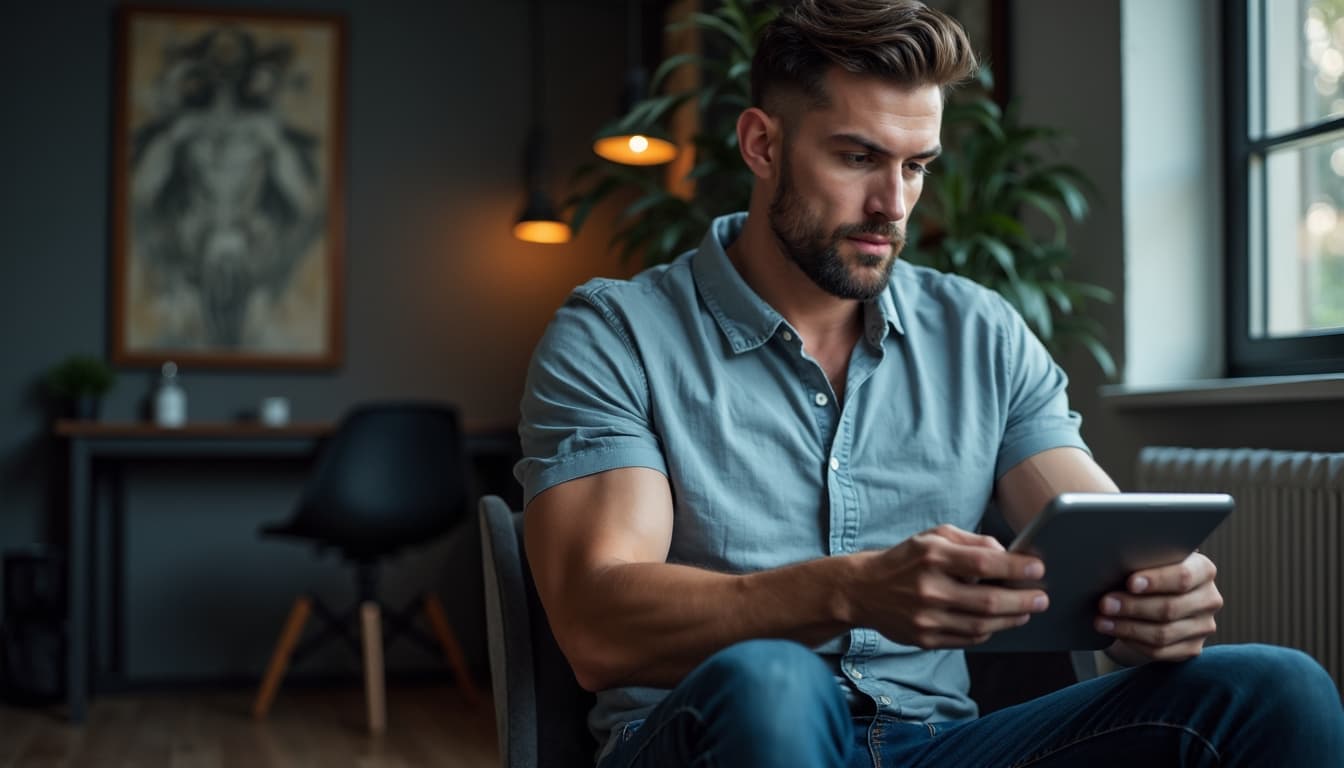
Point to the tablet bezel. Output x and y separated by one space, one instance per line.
1091 543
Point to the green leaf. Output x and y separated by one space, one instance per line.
1073 198
583 203
1095 292
650 112
1001 254
1046 206
735 15
1099 353
973 114
675 62
1060 298
644 203
957 251
1004 225
734 34
1034 309
667 244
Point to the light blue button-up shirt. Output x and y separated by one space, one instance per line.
686 370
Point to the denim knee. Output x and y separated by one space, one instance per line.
1282 678
1276 705
756 704
776 690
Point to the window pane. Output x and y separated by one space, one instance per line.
1304 66
1303 268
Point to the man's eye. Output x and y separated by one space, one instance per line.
857 158
916 169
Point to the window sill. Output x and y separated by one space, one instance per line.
1244 391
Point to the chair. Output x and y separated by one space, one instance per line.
392 476
540 710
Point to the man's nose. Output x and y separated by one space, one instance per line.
887 198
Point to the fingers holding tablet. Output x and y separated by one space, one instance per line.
1178 578
1167 613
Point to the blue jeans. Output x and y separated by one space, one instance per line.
775 704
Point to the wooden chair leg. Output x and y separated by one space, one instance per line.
438 620
375 695
275 671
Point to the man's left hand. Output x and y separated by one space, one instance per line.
1166 613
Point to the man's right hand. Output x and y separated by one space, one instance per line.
928 591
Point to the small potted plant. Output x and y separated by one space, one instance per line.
79 384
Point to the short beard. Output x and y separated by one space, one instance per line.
799 234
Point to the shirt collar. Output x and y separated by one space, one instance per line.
744 318
881 315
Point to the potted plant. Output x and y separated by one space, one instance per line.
79 383
995 209
658 224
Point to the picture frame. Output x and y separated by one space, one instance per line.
228 220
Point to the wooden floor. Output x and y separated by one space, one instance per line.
318 728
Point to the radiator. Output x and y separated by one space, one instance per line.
1279 553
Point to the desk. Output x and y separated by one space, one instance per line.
92 442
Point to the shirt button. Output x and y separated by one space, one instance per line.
884 700
821 398
857 674
787 336
835 464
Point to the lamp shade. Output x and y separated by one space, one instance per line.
635 148
539 223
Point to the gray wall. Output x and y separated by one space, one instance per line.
1067 73
441 302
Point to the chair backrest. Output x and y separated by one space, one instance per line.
392 474
540 710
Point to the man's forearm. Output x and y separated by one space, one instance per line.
651 623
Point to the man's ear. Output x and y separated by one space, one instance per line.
759 140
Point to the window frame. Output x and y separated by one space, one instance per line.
1321 352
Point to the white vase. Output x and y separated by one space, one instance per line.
170 400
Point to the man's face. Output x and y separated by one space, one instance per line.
849 175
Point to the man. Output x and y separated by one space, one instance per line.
751 475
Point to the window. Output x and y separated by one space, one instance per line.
1285 186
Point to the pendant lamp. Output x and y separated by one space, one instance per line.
634 144
539 221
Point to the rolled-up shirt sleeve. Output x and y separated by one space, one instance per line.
585 408
1038 415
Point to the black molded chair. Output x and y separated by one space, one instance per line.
392 476
540 710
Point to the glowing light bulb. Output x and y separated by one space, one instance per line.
635 149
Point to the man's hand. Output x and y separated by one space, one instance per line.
925 591
1166 614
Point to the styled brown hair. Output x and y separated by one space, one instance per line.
903 40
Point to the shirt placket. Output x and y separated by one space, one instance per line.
835 430
847 511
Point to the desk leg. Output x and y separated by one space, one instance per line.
77 587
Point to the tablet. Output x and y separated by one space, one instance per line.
1091 543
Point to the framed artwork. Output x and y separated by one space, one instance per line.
228 216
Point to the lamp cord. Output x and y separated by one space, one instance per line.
634 48
534 155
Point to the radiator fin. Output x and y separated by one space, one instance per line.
1278 555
